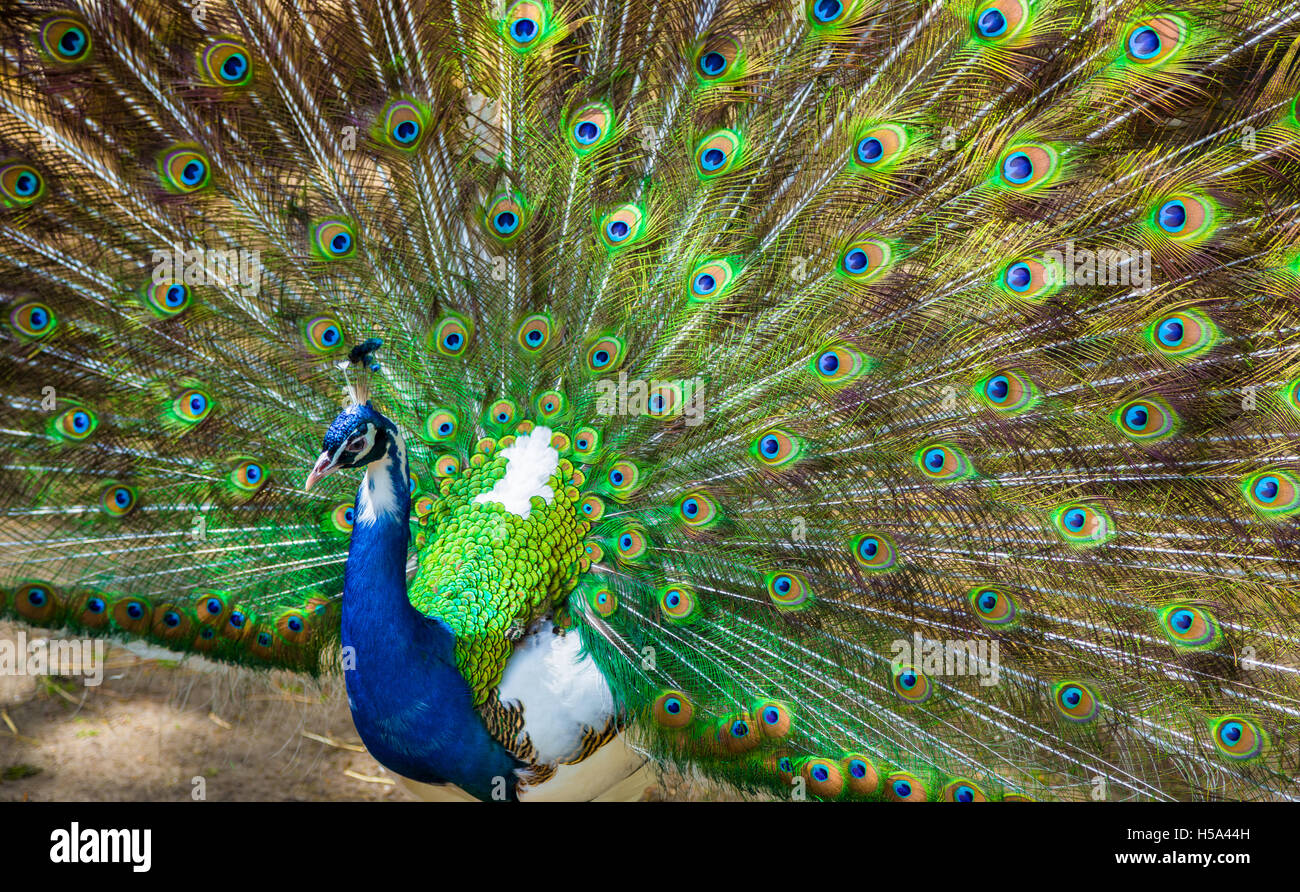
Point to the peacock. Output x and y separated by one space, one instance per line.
835 399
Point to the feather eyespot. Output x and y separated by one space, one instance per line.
1155 41
117 500
1082 525
33 320
860 775
1030 278
20 184
446 466
591 127
184 169
1189 627
341 518
333 239
167 298
697 510
838 365
710 280
1183 335
678 604
403 125
823 778
776 448
535 332
673 709
788 590
1146 420
944 462
1238 738
718 59
911 685
877 149
1185 219
1028 167
506 217
501 413
526 25
226 63
1000 22
248 476
64 40
962 790
1272 493
603 601
606 354
75 424
622 227
717 154
631 544
452 335
903 786
865 260
1008 391
823 14
440 425
322 334
993 606
586 443
1075 701
875 552
192 406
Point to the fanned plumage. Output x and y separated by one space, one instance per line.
841 332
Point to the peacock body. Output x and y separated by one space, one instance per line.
846 399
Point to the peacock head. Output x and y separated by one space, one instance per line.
357 437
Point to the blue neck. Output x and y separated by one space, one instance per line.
411 705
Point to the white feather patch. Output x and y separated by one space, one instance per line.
561 693
376 496
531 460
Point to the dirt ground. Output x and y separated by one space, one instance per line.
157 730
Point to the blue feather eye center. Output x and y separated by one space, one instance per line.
827 10
783 584
506 222
95 605
828 362
175 295
964 794
586 133
1072 696
1230 733
452 340
523 30
198 403
690 507
870 150
406 132
121 497
1170 332
252 473
192 173
72 42
26 184
341 242
1018 168
712 159
600 358
934 458
1144 42
769 445
39 318
616 477
503 417
171 619
237 619
444 428
771 715
1075 518
713 63
998 388
869 547
1182 620
705 283
234 66
80 421
617 230
134 610
294 624
819 773
582 442
991 22
37 596
858 768
856 260
988 600
213 605
1136 418
1019 276
673 599
907 680
902 789
1172 215
1267 488
672 705
625 542
534 337
739 729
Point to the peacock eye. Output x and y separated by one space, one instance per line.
355 444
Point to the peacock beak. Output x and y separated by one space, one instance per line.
325 465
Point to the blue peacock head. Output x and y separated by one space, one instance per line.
358 436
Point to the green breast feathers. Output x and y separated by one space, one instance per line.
500 549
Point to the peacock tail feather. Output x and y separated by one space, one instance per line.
922 377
